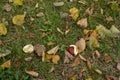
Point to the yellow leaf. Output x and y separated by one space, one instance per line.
74 13
103 31
7 64
32 73
18 2
18 19
55 59
89 79
93 43
81 45
3 29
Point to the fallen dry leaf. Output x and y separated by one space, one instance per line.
98 71
31 35
93 43
96 54
66 59
109 19
110 77
18 20
28 48
7 64
70 74
89 65
59 30
55 59
39 49
32 73
118 66
82 23
81 73
115 32
89 11
52 69
107 58
81 45
58 4
18 2
53 50
76 62
3 29
28 59
50 43
82 58
74 13
69 55
40 14
7 7
3 54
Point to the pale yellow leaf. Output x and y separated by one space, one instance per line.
115 32
28 48
53 50
81 45
82 23
18 2
7 64
3 29
32 73
74 13
18 19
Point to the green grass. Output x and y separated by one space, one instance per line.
15 38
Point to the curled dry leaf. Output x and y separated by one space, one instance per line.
74 13
52 69
89 11
28 48
55 59
98 71
82 58
76 62
18 2
109 19
32 73
39 49
40 14
3 29
83 23
110 77
7 7
3 54
81 45
53 50
70 74
96 54
81 73
89 65
66 59
107 58
18 19
28 59
59 30
58 4
7 64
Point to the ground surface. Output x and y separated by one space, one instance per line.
17 37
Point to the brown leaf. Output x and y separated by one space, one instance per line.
55 59
109 19
81 73
76 62
32 73
110 77
89 65
40 14
96 54
39 49
83 23
7 7
70 74
66 59
53 50
107 58
31 35
7 64
89 11
69 55
81 45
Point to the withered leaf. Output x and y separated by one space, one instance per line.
7 7
76 62
69 55
74 13
39 49
53 50
107 58
89 65
7 64
55 59
82 23
32 73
